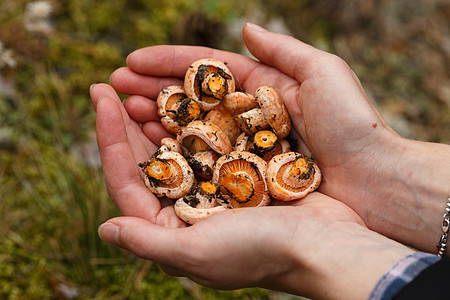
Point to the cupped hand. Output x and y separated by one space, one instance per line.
313 248
328 107
122 145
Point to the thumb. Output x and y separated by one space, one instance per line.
143 238
283 52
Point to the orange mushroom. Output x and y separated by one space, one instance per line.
238 102
224 120
168 174
274 110
175 109
200 205
263 143
201 136
207 81
292 176
202 163
252 121
169 144
242 178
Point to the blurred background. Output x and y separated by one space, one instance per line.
52 192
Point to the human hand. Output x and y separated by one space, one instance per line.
122 146
284 247
313 247
365 164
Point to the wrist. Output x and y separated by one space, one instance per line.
347 266
409 202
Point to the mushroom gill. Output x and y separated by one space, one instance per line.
292 176
168 174
241 176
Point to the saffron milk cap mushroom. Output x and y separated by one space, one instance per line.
175 109
274 110
292 176
263 143
168 174
238 102
169 144
202 163
242 178
252 120
197 207
200 136
225 121
192 215
207 81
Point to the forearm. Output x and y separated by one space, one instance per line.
409 204
348 264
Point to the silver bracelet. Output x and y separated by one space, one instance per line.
442 245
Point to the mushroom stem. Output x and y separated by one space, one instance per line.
252 121
215 86
186 111
292 176
239 186
264 141
157 169
206 193
300 174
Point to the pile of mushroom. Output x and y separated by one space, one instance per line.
230 149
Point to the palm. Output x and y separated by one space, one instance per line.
236 248
327 106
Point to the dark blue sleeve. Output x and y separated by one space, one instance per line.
402 274
432 283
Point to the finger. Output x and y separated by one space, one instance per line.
302 61
141 109
283 52
146 240
155 132
174 61
128 82
101 89
122 175
172 271
142 147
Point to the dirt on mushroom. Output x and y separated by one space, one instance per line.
225 141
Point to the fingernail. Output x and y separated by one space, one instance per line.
100 97
92 85
109 232
255 27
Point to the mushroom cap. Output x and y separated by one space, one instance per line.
192 215
193 81
170 125
238 102
202 163
252 121
209 134
186 111
274 110
175 109
168 97
290 179
245 142
170 144
242 178
241 142
225 121
179 181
